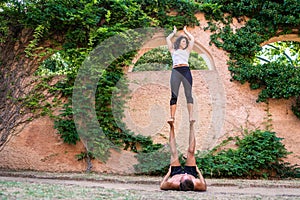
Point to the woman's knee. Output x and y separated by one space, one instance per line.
189 99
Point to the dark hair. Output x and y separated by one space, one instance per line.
178 40
186 185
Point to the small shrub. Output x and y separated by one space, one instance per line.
153 163
258 154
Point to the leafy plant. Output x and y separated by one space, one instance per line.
279 77
258 154
296 107
66 126
85 155
153 163
73 28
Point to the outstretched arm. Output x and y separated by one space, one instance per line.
192 39
202 185
169 42
169 185
164 184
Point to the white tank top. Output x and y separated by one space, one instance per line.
180 56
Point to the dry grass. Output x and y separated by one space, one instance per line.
42 185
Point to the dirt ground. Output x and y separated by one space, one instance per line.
111 186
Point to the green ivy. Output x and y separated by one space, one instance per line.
259 154
85 155
266 18
65 125
153 163
76 27
296 107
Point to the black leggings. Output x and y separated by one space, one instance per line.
178 75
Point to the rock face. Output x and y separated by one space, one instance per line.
222 108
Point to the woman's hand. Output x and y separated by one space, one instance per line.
169 42
174 30
185 30
192 39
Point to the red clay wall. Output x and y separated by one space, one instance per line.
222 108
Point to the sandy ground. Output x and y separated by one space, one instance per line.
145 187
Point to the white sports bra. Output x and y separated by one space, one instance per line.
180 56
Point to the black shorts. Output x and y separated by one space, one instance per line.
187 169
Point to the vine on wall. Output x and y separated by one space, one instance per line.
267 19
73 28
76 27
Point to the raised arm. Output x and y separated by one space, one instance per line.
169 42
191 37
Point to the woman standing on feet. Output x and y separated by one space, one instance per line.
180 52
